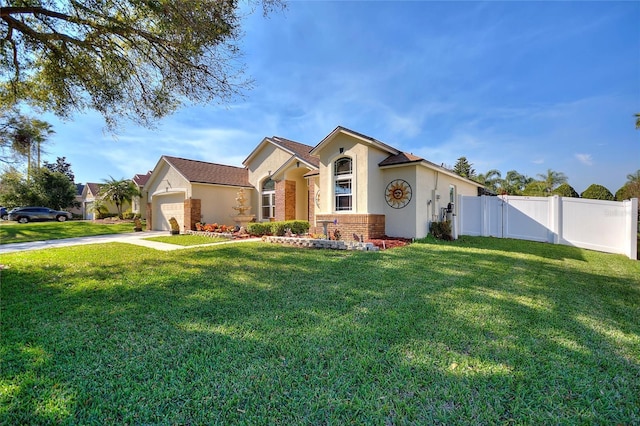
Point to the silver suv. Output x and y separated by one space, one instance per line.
28 214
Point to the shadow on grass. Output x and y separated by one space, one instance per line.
266 334
545 250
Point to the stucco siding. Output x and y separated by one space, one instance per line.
401 222
367 179
168 180
217 202
265 162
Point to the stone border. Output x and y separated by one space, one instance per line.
210 234
322 244
300 242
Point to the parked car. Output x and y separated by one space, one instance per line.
28 214
4 215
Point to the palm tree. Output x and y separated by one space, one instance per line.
491 180
514 183
633 177
119 192
27 136
552 180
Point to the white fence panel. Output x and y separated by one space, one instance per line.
603 229
607 226
470 213
480 216
528 218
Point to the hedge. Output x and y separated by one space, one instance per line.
278 228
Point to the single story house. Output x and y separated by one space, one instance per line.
90 193
353 182
140 208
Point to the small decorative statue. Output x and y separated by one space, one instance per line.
175 228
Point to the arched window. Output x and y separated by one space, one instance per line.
268 199
343 180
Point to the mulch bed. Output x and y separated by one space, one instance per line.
390 242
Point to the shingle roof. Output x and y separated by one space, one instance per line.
299 149
94 187
202 172
141 180
402 158
407 158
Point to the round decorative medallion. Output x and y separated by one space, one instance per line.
398 193
318 198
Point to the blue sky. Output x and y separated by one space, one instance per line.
525 86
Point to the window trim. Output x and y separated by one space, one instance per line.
272 199
348 177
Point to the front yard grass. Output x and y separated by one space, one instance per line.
188 239
478 331
12 232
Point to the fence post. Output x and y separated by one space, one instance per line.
458 218
556 218
484 217
631 212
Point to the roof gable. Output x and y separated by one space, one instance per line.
140 180
368 140
211 173
93 188
298 150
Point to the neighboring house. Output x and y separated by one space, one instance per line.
357 184
77 210
89 194
138 208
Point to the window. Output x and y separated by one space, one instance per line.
343 179
268 199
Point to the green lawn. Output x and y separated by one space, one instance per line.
188 240
12 232
478 331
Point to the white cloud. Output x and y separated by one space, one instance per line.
585 159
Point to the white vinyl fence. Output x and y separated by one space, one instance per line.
607 226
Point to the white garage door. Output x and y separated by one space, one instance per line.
166 207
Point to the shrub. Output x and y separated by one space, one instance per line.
597 192
298 226
259 228
566 190
278 228
628 190
441 230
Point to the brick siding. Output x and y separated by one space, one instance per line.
192 213
369 226
149 216
285 200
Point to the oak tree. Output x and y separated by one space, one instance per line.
132 59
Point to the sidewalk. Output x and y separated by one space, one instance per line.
137 238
